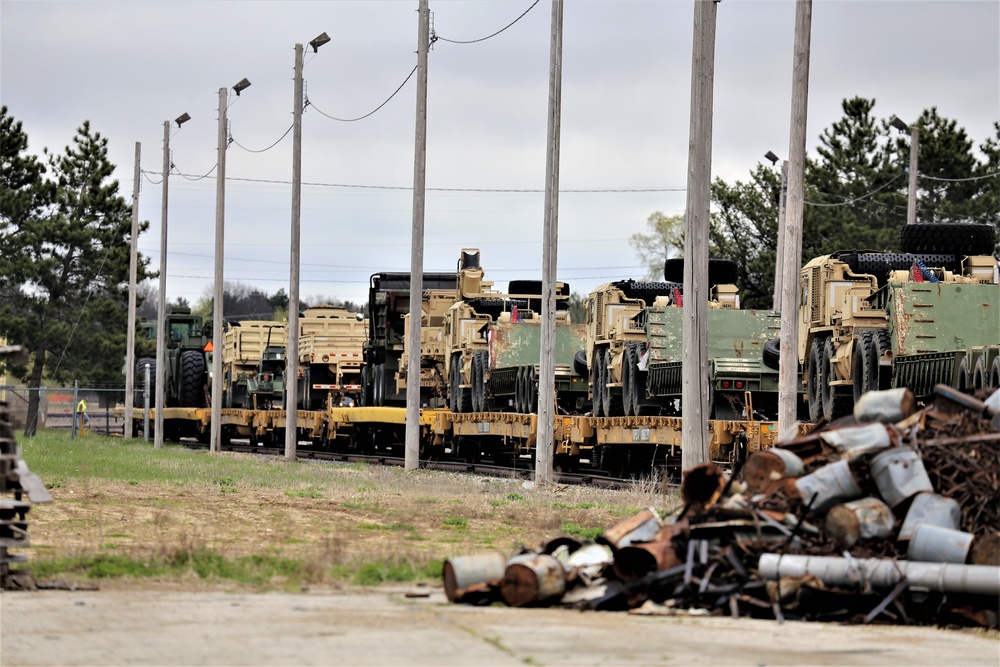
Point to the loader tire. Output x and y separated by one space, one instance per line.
192 394
960 238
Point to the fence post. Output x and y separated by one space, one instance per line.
107 421
76 400
145 405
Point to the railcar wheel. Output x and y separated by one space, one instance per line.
815 378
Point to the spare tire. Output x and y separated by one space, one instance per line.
580 364
525 287
720 271
772 354
959 238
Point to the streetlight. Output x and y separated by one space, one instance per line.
161 310
776 302
292 347
911 199
215 444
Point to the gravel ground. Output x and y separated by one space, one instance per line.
385 626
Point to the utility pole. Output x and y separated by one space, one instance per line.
695 369
219 291
412 438
545 430
781 235
791 259
161 309
292 346
133 270
911 202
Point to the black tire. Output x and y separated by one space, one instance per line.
771 356
530 390
827 392
140 381
979 374
365 387
881 346
378 385
638 387
720 271
580 363
453 383
995 373
815 376
964 375
525 287
861 368
596 382
627 382
960 238
192 393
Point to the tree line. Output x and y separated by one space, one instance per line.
856 193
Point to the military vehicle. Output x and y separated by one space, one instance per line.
245 346
928 315
187 361
331 345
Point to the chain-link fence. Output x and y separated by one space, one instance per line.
57 407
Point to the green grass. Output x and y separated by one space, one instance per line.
574 530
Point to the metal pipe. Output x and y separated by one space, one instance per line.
884 573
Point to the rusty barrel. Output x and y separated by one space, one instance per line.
859 521
933 509
473 573
641 527
767 465
637 560
831 485
702 485
532 579
899 474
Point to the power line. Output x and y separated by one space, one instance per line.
959 180
435 37
197 178
263 150
351 120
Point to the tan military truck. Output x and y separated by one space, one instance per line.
331 341
434 307
874 320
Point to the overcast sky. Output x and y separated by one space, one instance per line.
129 66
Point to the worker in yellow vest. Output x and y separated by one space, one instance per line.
81 414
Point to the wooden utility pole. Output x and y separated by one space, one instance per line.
781 235
911 203
695 370
412 438
161 310
292 345
545 430
791 259
219 291
133 269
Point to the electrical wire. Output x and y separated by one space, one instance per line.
959 180
351 120
483 39
861 198
196 178
264 150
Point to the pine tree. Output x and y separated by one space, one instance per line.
69 279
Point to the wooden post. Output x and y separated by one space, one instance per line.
219 287
133 269
292 344
911 201
545 435
161 310
412 437
695 370
791 261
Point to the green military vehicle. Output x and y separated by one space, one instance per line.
928 315
186 373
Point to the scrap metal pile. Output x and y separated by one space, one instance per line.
889 516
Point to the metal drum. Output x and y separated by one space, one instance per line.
832 484
532 579
475 572
934 544
933 509
899 474
859 520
